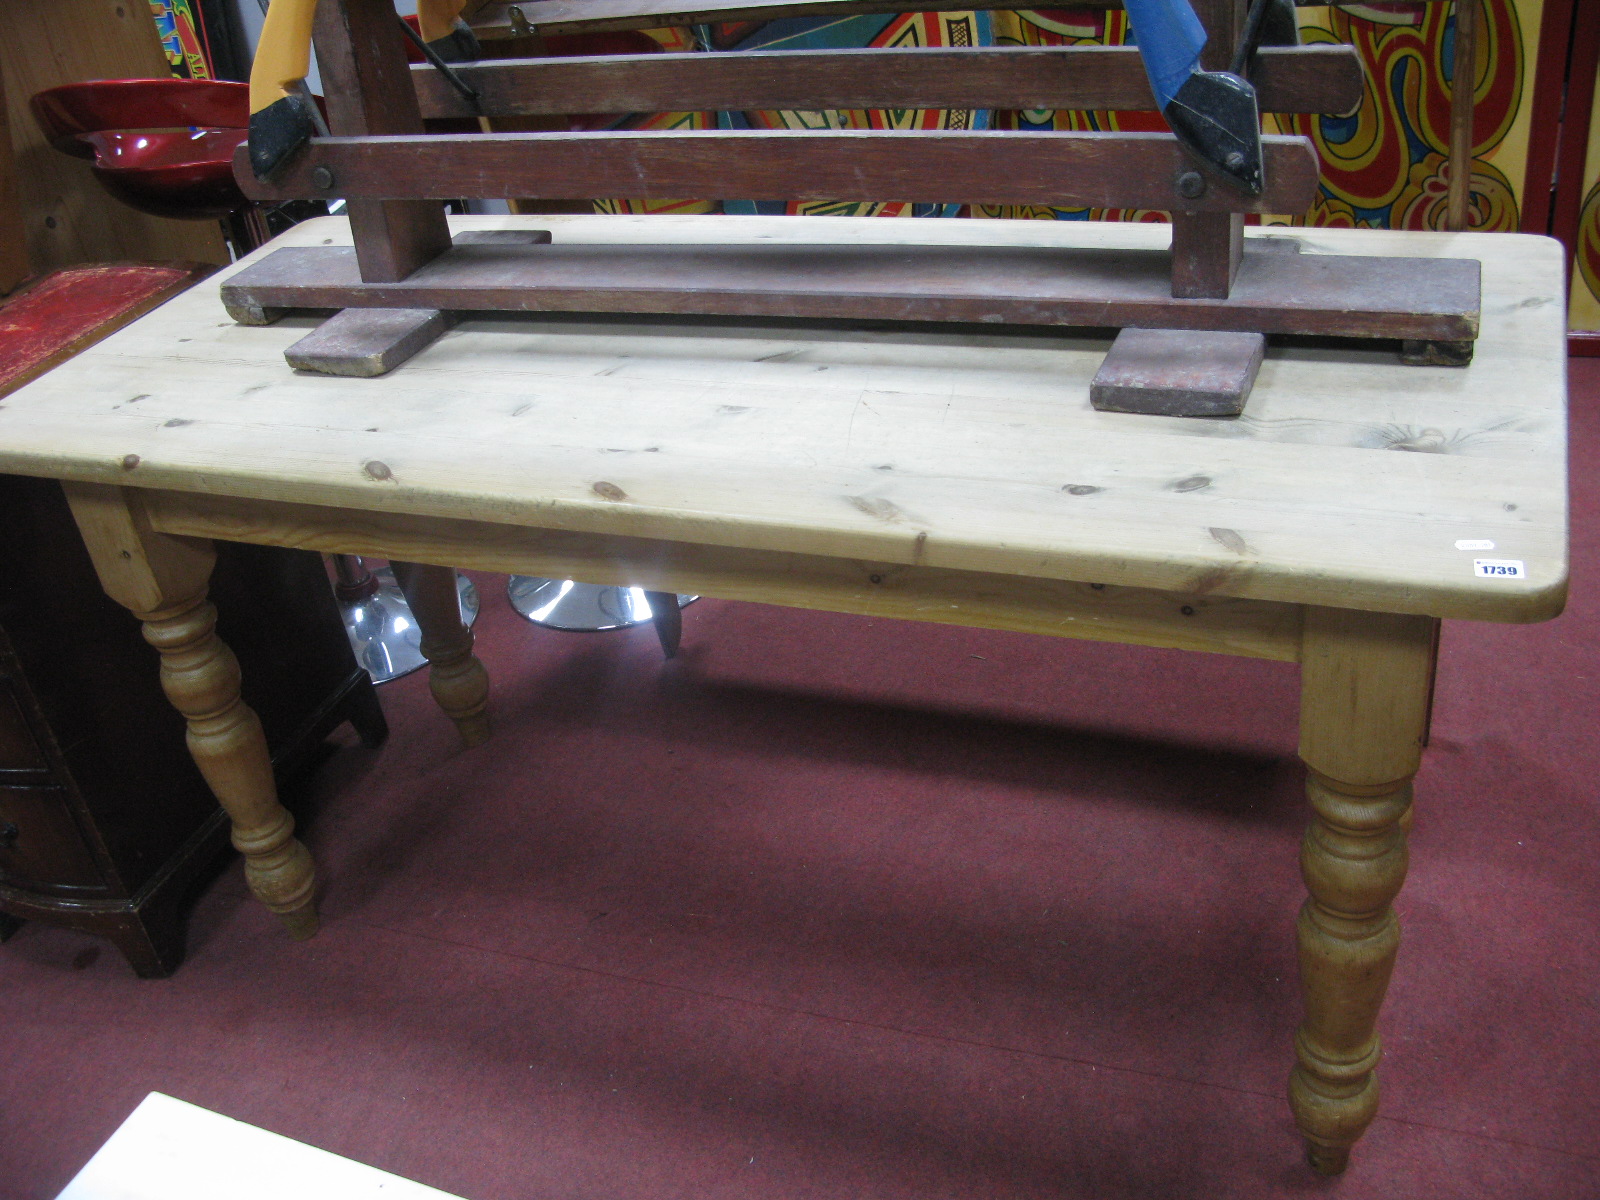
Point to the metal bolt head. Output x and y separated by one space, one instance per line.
1191 185
321 178
1235 160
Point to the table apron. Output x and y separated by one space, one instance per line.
1062 608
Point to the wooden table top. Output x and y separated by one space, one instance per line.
1349 481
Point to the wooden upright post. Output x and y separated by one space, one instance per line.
1206 247
360 48
1462 86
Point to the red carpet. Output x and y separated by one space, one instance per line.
834 907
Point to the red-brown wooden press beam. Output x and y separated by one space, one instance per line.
1340 295
1299 79
1127 170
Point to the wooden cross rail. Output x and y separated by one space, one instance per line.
498 18
1298 79
1135 170
600 16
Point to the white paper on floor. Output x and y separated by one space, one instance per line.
170 1150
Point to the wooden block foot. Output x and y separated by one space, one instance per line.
367 342
1178 373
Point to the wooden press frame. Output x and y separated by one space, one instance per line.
394 177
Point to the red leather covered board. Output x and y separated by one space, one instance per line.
73 308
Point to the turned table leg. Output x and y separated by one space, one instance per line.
162 580
457 679
1365 685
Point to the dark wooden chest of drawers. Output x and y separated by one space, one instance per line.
105 823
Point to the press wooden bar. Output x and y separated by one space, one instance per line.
1302 79
596 16
1135 170
599 16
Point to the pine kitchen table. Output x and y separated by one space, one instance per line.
950 473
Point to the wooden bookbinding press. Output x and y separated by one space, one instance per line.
1194 321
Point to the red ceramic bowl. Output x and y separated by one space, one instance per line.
77 108
162 146
185 175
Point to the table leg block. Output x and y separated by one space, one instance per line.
162 580
1366 679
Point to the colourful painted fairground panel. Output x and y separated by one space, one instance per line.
1383 167
178 24
1386 166
907 29
1068 27
1584 311
676 41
